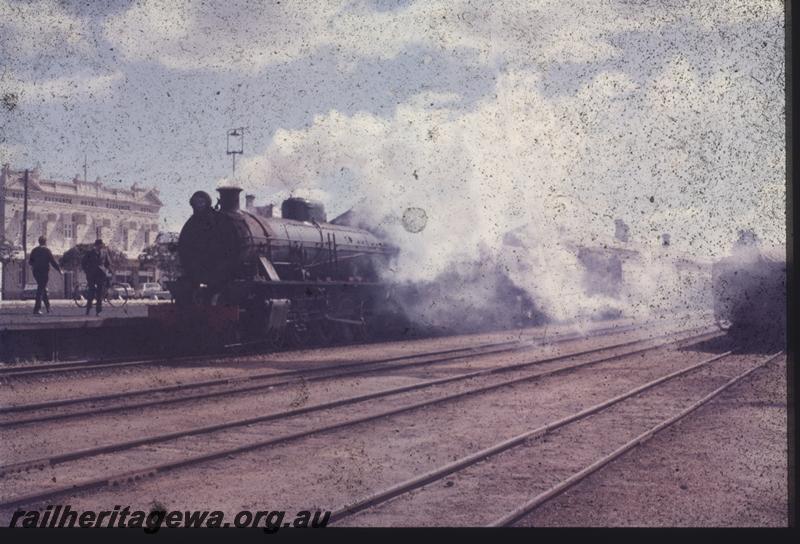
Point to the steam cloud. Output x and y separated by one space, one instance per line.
555 169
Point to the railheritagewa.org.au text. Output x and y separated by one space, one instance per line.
63 516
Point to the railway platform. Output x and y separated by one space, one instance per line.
67 331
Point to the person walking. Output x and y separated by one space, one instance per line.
41 260
97 267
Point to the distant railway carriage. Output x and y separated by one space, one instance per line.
252 278
749 290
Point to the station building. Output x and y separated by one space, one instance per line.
71 213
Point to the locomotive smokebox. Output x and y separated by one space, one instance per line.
229 198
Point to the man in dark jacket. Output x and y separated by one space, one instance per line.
41 260
97 268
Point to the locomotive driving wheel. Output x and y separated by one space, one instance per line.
325 332
344 322
297 334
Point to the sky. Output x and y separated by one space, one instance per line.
555 116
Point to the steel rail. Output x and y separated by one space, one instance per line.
228 381
556 490
226 392
88 364
470 352
57 368
31 370
479 456
161 468
89 452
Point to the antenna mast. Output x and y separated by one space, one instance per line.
235 145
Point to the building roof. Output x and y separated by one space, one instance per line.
78 187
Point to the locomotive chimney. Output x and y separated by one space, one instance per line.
249 202
229 198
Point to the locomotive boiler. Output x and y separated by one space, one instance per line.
296 279
749 290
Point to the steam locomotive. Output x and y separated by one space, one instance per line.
296 279
749 290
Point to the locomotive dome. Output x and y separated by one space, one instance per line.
303 209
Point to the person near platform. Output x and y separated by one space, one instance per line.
41 260
97 267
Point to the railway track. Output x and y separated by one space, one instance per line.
49 369
183 461
529 506
42 369
388 501
23 414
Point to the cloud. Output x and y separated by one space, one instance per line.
63 89
239 34
244 35
11 153
248 36
40 30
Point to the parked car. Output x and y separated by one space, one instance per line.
153 291
81 291
29 291
121 290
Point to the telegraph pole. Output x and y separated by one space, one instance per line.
237 146
25 233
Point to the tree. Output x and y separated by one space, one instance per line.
163 255
73 257
9 251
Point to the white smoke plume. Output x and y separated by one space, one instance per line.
555 168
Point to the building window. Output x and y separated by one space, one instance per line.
130 238
44 228
98 232
61 200
69 230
